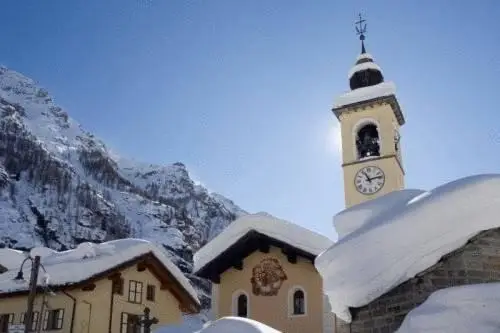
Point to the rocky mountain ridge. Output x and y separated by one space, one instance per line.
60 186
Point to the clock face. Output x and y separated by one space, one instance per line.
369 180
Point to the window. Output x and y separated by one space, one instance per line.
33 322
118 286
150 293
130 323
242 305
368 141
135 291
5 320
297 301
53 319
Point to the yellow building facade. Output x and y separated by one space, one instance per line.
112 301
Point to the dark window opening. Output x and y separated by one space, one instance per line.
118 286
150 293
242 304
53 319
367 141
135 291
299 304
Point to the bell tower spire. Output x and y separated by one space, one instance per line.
360 31
370 118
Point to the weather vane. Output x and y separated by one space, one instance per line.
360 31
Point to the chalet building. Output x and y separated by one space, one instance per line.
262 268
96 288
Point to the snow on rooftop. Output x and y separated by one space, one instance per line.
87 260
464 309
268 225
365 94
393 239
364 56
363 66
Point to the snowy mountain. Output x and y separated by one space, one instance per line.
59 186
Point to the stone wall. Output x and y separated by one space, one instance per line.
476 262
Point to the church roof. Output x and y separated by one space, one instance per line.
399 235
251 232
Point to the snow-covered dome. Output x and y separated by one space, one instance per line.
365 72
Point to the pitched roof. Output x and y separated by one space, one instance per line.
265 228
90 261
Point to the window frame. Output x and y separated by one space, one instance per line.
49 321
124 323
135 291
150 292
34 322
291 301
235 303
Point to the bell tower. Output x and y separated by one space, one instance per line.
370 118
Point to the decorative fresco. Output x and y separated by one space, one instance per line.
267 277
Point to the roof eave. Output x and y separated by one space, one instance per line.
390 99
210 268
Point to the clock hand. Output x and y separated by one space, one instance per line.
378 177
367 177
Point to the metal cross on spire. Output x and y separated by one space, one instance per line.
360 31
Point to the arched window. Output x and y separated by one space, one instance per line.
368 141
240 304
297 301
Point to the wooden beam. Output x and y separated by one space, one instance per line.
115 276
215 278
88 287
141 267
291 256
264 247
238 265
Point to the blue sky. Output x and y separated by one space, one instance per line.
241 91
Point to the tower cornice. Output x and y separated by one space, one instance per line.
370 103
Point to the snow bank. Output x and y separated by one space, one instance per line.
464 309
87 260
364 66
392 244
190 324
268 225
222 325
365 94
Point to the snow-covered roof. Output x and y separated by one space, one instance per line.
281 230
464 309
397 236
363 66
84 262
365 94
364 56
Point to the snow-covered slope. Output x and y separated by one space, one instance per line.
59 185
398 238
464 309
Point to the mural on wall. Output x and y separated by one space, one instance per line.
267 277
